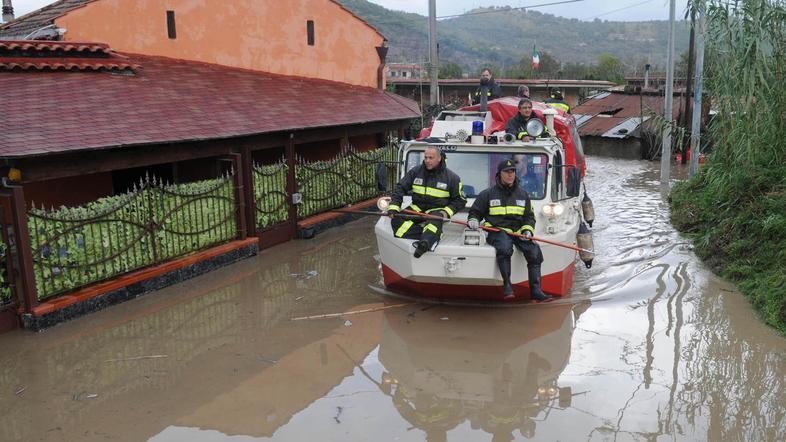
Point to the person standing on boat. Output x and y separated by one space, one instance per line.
518 124
435 190
506 206
522 91
488 87
557 101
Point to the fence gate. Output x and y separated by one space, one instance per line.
9 299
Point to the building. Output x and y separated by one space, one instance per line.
620 122
98 94
405 70
458 90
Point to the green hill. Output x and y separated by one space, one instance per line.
505 36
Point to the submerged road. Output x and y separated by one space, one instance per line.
651 346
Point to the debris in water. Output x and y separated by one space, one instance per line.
364 248
92 396
355 312
444 318
136 358
269 361
338 413
20 390
299 298
302 276
347 323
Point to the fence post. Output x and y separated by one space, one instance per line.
246 162
291 186
240 195
26 282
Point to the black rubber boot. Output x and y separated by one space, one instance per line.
504 271
535 291
421 247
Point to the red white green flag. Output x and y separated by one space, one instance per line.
535 58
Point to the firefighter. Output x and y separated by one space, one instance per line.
435 190
517 125
487 87
557 101
507 207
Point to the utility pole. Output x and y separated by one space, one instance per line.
665 159
689 78
695 135
434 58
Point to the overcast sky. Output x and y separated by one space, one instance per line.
615 10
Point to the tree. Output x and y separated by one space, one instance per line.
450 70
610 68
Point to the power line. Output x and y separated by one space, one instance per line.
620 9
509 9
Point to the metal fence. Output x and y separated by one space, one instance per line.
270 193
349 178
152 223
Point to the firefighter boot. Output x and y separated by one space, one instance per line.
421 247
535 291
504 271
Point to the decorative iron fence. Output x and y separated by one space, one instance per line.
349 178
152 223
5 288
270 193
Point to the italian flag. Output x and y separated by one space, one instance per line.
535 58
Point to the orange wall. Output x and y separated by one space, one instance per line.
264 35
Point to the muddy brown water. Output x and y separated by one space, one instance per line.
651 346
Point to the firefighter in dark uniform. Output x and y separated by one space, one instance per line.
488 87
507 207
435 190
517 125
557 101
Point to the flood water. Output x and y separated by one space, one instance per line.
651 346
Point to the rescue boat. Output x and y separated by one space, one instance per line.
463 267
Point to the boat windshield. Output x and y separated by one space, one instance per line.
478 170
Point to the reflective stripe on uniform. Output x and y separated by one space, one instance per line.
519 231
507 210
430 227
414 207
402 230
522 135
430 191
528 228
561 106
394 208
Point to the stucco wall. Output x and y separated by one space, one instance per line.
264 35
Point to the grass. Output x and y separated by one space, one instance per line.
734 209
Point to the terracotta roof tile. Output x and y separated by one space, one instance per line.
173 100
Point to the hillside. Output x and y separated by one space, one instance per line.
504 37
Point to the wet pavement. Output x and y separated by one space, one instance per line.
651 346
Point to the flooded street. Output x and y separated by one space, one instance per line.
650 346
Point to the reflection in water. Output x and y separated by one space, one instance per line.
650 346
500 377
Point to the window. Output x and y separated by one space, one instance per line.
478 171
170 24
310 32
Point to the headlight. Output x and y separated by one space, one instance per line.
553 210
535 128
383 203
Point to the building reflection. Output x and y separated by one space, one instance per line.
499 376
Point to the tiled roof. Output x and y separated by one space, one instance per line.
28 23
171 101
609 110
67 56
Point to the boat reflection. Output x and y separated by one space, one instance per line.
501 376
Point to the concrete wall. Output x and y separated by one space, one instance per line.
263 35
627 148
